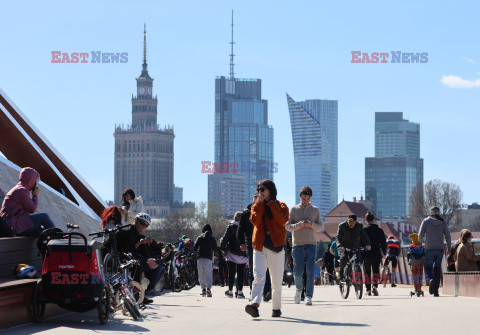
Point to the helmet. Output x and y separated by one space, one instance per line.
189 244
391 237
144 217
24 271
183 237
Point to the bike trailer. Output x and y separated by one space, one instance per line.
72 275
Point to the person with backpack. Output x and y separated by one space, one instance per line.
204 247
236 258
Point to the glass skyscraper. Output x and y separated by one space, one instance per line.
243 138
315 147
397 168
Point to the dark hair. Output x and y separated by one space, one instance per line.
353 216
270 186
306 190
466 235
111 213
125 203
369 217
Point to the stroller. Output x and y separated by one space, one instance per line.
72 277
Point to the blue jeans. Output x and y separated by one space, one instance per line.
153 275
304 256
41 222
433 266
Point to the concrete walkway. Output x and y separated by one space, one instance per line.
393 312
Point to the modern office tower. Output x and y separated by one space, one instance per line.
228 190
315 147
243 138
178 194
144 151
397 168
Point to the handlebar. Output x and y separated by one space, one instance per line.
72 226
128 264
109 231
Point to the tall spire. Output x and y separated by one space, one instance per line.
144 65
232 73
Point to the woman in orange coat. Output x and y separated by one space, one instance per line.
268 217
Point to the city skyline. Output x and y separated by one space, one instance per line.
63 99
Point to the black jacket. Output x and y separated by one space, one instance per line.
351 238
205 244
378 239
245 228
126 240
230 242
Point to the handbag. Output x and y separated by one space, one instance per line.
5 229
268 240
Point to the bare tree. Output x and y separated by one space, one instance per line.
446 196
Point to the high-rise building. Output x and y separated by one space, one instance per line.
178 195
315 147
243 138
144 151
397 168
228 190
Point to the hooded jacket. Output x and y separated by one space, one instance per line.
434 229
205 244
18 205
230 242
377 238
275 225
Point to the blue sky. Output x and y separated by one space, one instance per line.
303 48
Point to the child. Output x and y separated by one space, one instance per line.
416 259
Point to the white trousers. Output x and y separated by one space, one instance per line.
275 261
205 272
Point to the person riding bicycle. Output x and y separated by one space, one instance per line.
393 250
146 250
350 235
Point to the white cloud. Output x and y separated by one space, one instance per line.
469 60
457 82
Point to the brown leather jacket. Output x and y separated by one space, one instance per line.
276 225
466 258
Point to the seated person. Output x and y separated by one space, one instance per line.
466 258
146 250
111 217
18 207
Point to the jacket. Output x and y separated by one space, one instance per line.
275 226
466 259
205 244
393 247
126 240
304 235
378 239
18 205
351 238
230 242
136 206
245 227
434 229
415 256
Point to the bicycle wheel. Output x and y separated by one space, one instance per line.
190 277
131 308
111 265
38 306
358 283
344 286
103 306
137 290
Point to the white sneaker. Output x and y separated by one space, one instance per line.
298 296
309 301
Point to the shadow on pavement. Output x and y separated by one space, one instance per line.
319 323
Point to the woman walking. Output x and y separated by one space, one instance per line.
268 217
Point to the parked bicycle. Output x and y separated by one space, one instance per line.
352 274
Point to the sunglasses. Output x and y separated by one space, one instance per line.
143 223
261 189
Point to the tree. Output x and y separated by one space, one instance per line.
446 196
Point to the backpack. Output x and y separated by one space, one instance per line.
5 229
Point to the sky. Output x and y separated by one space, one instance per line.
301 48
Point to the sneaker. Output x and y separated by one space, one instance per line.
431 290
147 301
239 295
309 301
369 292
394 285
209 293
298 296
229 293
204 292
374 291
276 313
252 310
151 293
435 294
267 296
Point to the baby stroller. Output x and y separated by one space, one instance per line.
72 277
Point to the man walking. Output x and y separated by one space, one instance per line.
434 229
303 223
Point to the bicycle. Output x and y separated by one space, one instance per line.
187 271
352 274
386 275
172 279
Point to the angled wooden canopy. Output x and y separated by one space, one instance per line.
24 145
